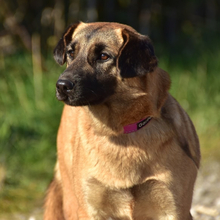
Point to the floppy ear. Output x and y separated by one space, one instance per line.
59 52
136 57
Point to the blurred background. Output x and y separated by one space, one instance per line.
186 36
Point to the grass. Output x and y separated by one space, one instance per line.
28 127
30 114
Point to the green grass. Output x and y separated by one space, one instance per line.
28 128
30 114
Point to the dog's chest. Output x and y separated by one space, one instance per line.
105 203
142 202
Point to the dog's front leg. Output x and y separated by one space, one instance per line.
54 202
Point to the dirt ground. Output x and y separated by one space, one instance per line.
206 201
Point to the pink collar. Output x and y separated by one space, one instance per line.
136 126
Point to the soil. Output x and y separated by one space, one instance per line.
206 201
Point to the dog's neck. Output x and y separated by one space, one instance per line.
112 120
132 102
136 126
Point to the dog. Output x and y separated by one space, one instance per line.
126 148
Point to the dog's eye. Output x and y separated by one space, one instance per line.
104 57
70 53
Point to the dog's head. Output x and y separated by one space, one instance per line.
98 56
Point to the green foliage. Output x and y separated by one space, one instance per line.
30 114
28 127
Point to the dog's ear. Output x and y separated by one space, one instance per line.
59 52
136 57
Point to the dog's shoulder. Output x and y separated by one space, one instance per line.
183 127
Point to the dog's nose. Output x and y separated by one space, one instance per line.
64 85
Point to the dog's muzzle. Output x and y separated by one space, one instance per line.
64 87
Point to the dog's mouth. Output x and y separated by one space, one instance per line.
70 98
60 96
81 94
77 101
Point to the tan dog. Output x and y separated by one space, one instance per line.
126 149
